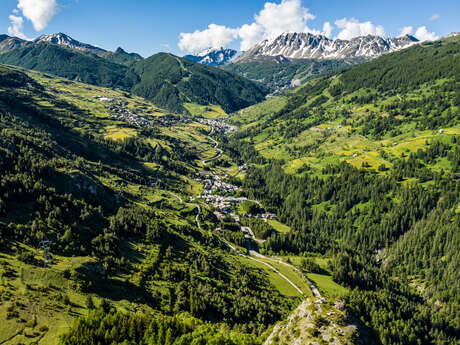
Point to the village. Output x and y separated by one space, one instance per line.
119 111
220 196
220 126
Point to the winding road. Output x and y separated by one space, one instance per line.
216 147
253 254
238 252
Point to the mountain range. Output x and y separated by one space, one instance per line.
308 46
284 62
167 80
293 58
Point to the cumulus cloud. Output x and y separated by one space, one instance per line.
16 27
39 12
288 16
250 34
352 28
327 29
435 16
422 34
273 20
215 36
407 30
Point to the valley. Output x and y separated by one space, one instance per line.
114 118
306 191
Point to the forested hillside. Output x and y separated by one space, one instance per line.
71 64
164 79
363 166
101 190
279 73
170 81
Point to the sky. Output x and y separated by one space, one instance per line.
189 26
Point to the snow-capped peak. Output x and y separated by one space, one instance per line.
309 46
213 57
67 41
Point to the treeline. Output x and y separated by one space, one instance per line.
210 287
390 307
406 69
354 214
50 190
109 327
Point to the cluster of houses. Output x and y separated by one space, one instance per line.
224 205
171 120
219 126
316 129
215 183
120 111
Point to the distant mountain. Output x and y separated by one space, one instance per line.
308 46
119 56
279 73
214 57
71 64
68 42
8 43
167 80
122 57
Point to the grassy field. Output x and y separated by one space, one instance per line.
326 285
117 133
280 227
37 303
206 111
324 280
291 274
259 111
333 137
278 282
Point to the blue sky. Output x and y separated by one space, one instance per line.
150 26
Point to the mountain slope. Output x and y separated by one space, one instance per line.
8 43
364 167
71 64
121 57
293 58
279 73
170 81
166 80
101 188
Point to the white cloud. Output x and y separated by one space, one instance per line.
288 16
327 29
215 36
250 34
353 28
16 27
39 12
273 20
407 30
435 16
422 34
